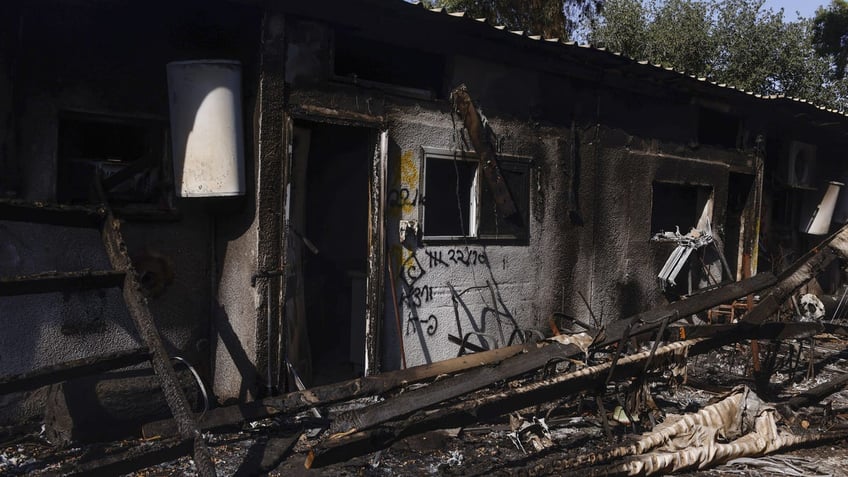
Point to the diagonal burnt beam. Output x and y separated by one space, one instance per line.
452 387
293 402
782 287
481 140
71 369
775 331
342 447
139 311
652 319
800 272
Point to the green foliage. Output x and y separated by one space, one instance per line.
830 34
549 18
737 42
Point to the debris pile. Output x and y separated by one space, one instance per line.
644 395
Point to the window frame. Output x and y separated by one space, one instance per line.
476 199
158 130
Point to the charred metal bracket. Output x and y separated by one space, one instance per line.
481 139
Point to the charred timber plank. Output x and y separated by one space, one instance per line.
496 404
71 369
452 387
836 328
139 311
816 394
54 214
332 393
652 319
772 331
774 299
799 273
134 459
48 282
480 139
469 411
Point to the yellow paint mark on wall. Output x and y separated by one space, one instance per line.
408 170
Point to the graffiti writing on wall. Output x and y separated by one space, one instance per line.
455 256
413 322
479 314
446 294
415 296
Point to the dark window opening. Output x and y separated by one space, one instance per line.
677 206
448 193
364 59
718 129
516 174
458 202
129 151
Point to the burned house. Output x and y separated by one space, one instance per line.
366 223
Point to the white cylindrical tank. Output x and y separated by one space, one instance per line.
819 223
206 127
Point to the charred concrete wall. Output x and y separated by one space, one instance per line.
86 61
593 154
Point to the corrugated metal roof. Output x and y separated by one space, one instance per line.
618 55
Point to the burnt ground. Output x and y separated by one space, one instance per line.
514 443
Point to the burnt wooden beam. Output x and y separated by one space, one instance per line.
836 328
816 394
17 210
800 272
71 369
238 414
773 331
480 137
139 311
48 282
342 447
345 446
651 320
452 387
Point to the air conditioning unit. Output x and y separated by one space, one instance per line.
799 165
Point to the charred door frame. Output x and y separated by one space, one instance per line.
375 281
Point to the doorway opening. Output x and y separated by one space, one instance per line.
328 250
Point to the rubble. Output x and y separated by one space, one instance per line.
614 401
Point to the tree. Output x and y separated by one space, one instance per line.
549 18
737 42
830 35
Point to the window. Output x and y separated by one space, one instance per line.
457 201
128 150
677 205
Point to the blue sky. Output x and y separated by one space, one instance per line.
807 8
